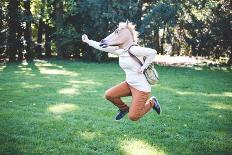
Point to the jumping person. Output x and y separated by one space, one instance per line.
118 43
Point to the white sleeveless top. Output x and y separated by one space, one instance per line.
129 65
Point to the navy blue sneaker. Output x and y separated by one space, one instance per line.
156 106
121 114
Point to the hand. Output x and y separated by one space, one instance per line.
85 38
141 70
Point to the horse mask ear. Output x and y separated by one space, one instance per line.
127 22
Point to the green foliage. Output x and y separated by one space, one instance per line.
158 16
188 27
207 33
94 18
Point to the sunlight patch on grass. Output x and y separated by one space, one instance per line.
227 94
221 106
31 86
25 73
26 69
198 68
62 108
89 135
56 72
171 89
68 91
46 64
85 82
138 147
177 91
184 93
2 67
24 63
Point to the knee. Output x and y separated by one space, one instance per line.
108 96
133 117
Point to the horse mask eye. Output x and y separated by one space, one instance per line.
116 31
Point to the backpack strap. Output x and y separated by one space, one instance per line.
133 56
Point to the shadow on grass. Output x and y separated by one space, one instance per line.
58 107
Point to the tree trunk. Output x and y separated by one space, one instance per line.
13 27
48 51
19 43
2 27
39 38
156 41
39 48
230 57
28 31
139 14
163 40
59 27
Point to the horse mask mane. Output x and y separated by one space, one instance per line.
131 27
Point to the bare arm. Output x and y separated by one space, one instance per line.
95 44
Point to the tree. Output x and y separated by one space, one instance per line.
44 14
59 26
27 31
220 30
196 27
160 15
48 39
14 27
207 27
2 29
39 38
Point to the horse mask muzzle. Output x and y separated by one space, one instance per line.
103 43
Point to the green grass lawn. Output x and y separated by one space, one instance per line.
58 107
